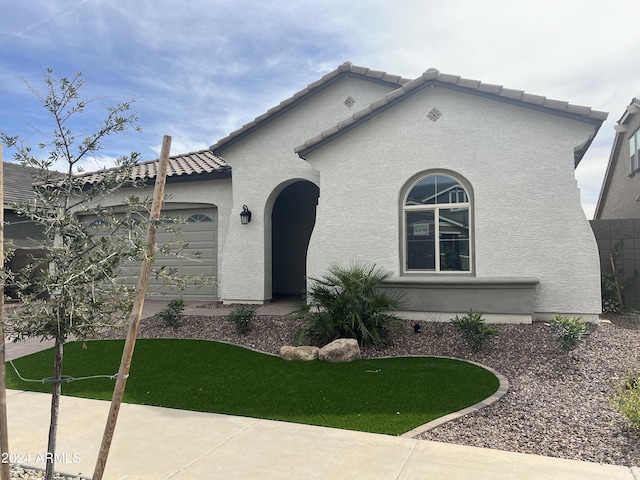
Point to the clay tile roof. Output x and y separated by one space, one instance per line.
433 76
345 69
195 163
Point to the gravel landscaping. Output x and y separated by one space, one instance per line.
557 404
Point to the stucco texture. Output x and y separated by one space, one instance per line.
526 215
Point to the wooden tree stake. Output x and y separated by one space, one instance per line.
4 426
136 313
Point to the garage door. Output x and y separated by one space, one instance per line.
200 233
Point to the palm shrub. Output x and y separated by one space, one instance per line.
476 333
568 331
349 303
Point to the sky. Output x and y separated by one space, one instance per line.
199 69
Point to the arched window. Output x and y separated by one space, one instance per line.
436 226
199 217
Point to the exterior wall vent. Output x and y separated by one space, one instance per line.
349 102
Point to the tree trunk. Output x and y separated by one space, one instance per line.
55 408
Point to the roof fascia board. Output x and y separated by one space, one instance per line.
606 182
302 152
192 177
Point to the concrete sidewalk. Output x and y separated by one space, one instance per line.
162 443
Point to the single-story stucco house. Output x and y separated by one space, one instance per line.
465 191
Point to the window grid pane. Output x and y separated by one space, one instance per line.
454 239
637 149
421 240
632 153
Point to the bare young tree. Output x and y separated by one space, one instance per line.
75 290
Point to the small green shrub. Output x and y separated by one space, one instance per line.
348 303
242 317
627 399
568 331
172 313
439 329
476 333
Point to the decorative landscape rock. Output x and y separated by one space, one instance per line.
305 353
340 350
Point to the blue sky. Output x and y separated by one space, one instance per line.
199 70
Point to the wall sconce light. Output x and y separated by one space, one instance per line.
245 215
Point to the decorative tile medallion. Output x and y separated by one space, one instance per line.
434 115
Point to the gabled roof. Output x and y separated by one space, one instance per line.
496 92
621 129
633 107
346 69
181 167
18 183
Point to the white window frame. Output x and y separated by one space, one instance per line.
634 151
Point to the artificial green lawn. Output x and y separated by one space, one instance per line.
391 396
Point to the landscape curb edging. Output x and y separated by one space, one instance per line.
503 388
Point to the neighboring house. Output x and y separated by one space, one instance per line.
620 194
22 234
465 191
617 215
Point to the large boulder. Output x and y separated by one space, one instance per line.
304 353
340 350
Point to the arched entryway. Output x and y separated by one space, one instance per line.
292 221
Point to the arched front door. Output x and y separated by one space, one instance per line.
292 220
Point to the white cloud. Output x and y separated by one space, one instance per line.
204 69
